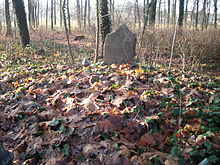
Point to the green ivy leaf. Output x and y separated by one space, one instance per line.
204 162
65 149
175 151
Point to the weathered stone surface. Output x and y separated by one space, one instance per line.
119 46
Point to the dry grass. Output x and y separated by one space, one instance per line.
194 50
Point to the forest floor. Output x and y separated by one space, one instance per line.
54 113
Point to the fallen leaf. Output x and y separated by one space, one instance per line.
146 140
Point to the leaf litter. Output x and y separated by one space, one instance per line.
117 114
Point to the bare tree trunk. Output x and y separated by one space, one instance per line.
34 15
30 13
146 13
138 14
181 13
78 14
97 31
159 13
105 22
51 14
204 14
8 20
85 13
192 15
163 11
41 13
66 29
174 12
47 14
22 22
38 13
186 13
68 15
197 13
168 13
61 15
152 12
111 9
135 15
3 14
55 13
81 12
215 13
89 13
208 15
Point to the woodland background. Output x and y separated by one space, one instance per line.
60 104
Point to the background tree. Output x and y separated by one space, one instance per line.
55 13
30 13
97 31
64 9
51 14
197 14
168 13
152 12
105 23
112 10
85 13
159 12
186 12
181 13
204 13
89 13
174 12
22 22
78 14
215 13
47 14
61 15
68 15
7 18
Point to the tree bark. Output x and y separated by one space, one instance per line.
215 13
66 28
61 15
47 14
197 13
181 13
89 13
78 14
138 15
51 15
22 22
105 23
208 15
112 10
168 13
204 14
186 13
85 14
159 13
174 13
152 12
7 19
30 13
68 15
55 13
97 32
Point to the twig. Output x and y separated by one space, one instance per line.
173 44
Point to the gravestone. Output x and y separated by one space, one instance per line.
119 46
6 157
